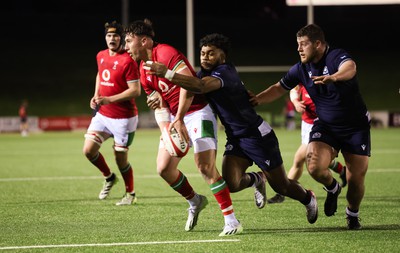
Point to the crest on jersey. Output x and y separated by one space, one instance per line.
115 65
325 72
316 135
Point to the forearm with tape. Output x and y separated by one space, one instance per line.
162 115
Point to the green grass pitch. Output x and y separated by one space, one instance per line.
48 194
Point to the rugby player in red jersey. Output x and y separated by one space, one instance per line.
190 115
117 85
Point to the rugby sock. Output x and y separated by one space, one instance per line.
101 164
307 199
255 179
182 186
353 213
336 166
127 175
332 187
223 197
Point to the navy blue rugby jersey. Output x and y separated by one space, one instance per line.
339 104
231 103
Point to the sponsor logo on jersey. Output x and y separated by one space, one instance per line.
106 75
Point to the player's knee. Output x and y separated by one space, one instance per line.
86 152
233 185
162 171
311 161
89 151
206 169
233 188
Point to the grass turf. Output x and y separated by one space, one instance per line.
49 201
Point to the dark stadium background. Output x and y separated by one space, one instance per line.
49 47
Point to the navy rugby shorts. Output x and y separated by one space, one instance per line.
353 140
263 150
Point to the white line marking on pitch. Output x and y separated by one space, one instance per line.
113 244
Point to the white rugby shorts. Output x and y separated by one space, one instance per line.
305 132
202 128
118 128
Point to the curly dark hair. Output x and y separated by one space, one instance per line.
218 40
141 27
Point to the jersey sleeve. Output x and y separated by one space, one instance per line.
143 81
291 79
338 57
132 71
169 56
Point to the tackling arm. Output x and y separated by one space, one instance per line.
269 95
190 83
185 100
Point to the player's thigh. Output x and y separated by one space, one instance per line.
123 130
319 155
357 165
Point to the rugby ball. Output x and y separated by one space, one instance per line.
174 144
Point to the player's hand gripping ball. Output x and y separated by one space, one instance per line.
174 143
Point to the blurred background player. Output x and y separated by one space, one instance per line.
305 106
190 115
289 112
117 86
23 118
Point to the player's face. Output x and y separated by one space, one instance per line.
307 49
113 41
210 57
135 48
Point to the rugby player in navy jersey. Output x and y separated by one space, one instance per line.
343 123
249 138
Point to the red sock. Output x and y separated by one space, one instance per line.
182 186
336 167
127 175
339 168
223 196
101 164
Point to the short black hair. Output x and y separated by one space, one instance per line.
313 32
218 40
141 27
